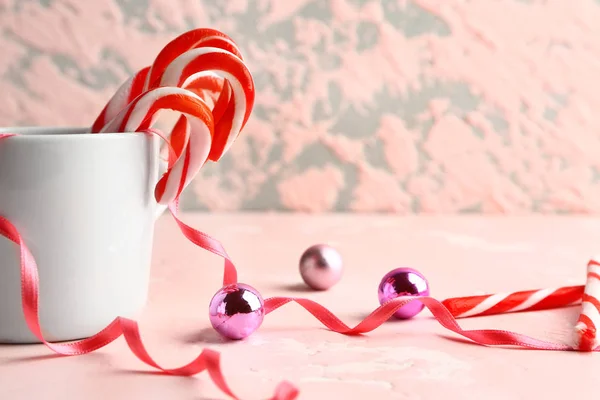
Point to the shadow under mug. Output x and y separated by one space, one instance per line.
84 204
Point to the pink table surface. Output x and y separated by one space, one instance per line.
414 360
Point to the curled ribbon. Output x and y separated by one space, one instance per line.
209 360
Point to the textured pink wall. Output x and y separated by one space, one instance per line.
399 106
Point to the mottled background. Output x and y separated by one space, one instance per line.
370 106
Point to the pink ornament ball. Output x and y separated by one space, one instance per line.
403 282
321 267
236 311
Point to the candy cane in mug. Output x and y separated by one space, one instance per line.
193 148
588 323
141 81
187 66
124 95
529 300
189 41
214 90
202 83
206 86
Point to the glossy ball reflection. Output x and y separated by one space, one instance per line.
404 282
321 266
236 311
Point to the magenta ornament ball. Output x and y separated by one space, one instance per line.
404 282
321 266
236 311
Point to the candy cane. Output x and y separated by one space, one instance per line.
212 88
589 319
188 65
188 41
140 82
530 300
193 147
124 95
203 87
203 82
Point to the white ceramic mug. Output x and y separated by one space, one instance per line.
84 204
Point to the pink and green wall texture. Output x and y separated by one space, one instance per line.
423 106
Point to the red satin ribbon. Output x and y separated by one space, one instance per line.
209 360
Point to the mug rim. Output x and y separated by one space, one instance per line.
62 132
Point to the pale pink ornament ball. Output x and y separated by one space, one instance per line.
321 266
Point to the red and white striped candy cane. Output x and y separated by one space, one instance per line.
529 300
204 86
140 82
214 91
208 86
203 37
124 95
192 149
187 66
203 83
589 319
